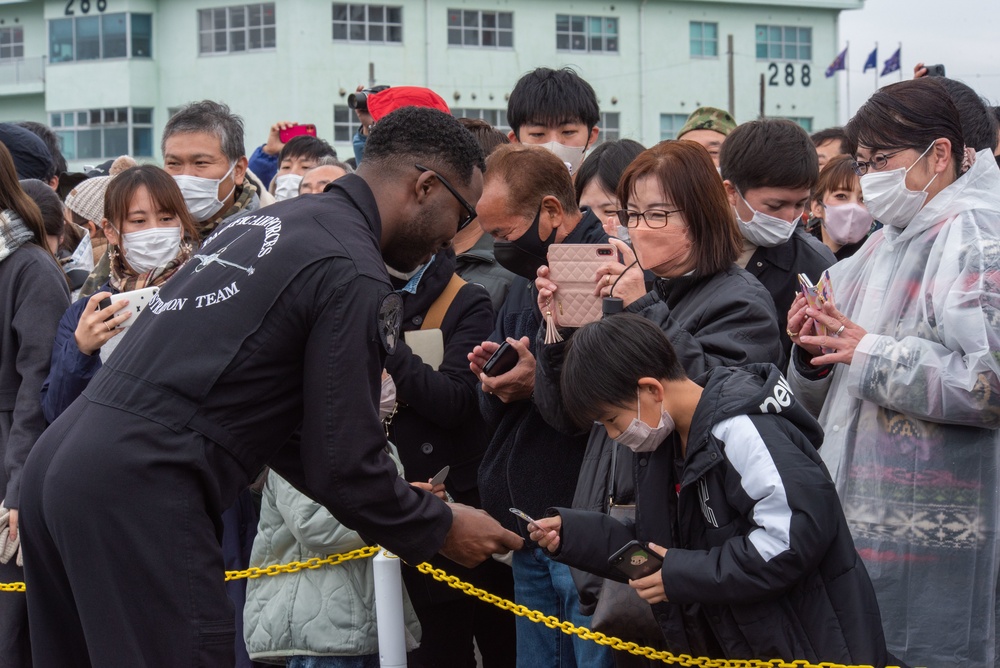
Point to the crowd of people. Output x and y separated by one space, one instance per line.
230 361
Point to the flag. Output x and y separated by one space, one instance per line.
892 64
839 63
872 62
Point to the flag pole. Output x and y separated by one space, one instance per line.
900 52
876 67
847 68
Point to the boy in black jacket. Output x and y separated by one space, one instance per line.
759 562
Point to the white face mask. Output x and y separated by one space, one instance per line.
202 195
847 223
889 200
764 230
572 155
640 437
148 249
286 186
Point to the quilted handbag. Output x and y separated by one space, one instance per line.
573 267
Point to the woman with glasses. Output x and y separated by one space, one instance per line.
714 313
906 380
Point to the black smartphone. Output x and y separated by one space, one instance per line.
502 361
635 561
935 71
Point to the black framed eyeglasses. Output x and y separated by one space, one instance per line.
462 224
861 167
655 218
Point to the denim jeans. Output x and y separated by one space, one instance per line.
547 586
364 661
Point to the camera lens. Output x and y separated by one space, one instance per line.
354 98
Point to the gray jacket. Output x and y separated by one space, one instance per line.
478 265
330 610
33 297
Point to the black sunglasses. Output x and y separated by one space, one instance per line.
462 224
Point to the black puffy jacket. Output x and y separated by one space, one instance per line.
760 562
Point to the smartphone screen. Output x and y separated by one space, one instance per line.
635 561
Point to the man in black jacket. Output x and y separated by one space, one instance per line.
266 348
528 204
758 562
769 168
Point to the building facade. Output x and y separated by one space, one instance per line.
107 74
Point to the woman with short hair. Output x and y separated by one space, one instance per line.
906 379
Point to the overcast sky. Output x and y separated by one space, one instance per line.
963 35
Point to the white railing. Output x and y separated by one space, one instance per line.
22 71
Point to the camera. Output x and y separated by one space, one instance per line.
360 100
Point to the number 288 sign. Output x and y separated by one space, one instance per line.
788 74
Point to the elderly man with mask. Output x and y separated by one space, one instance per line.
528 204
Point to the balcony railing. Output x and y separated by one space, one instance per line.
22 71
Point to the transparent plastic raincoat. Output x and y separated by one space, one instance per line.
911 425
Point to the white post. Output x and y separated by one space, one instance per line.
389 610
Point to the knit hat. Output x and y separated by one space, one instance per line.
389 100
87 199
32 159
709 118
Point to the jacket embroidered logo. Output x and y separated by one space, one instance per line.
781 397
706 510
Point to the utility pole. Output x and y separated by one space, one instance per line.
732 80
762 89
371 74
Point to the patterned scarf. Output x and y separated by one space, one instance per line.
244 196
124 279
13 233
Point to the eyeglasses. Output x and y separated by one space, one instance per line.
655 218
463 223
878 162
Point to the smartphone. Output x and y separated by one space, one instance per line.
440 476
295 131
935 71
524 516
635 561
502 361
572 267
137 301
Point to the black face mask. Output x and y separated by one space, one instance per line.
527 253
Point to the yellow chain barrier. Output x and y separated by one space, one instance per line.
550 621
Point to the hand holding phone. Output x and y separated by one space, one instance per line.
296 130
501 361
572 268
635 561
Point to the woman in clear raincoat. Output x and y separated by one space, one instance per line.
907 384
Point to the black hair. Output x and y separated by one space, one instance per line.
48 203
552 97
306 146
769 153
605 360
606 163
422 135
487 135
46 134
979 125
213 118
830 134
909 114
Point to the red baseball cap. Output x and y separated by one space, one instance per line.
389 100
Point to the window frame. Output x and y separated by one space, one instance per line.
496 29
58 123
784 44
703 40
495 117
353 123
100 18
610 131
586 34
245 30
385 24
12 45
677 121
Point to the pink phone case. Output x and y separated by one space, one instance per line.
573 267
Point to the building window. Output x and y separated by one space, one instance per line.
671 124
610 127
479 28
495 117
11 43
784 43
586 33
116 35
704 39
367 23
345 124
806 122
100 134
236 29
